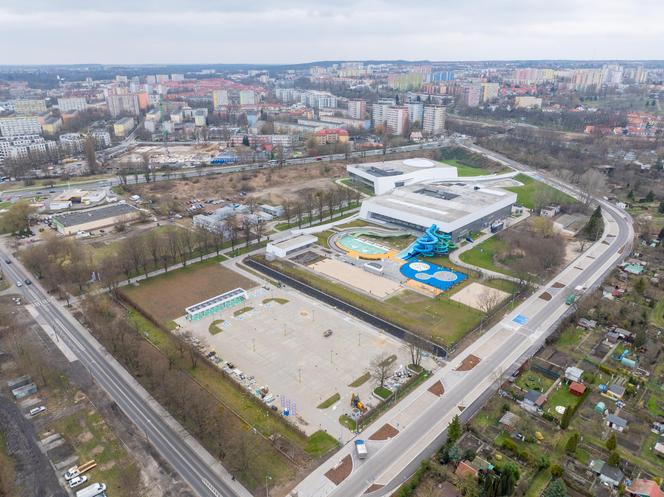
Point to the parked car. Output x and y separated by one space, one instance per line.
7 261
28 282
36 410
77 480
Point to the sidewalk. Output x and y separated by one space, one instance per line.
486 273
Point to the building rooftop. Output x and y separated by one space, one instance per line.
445 202
399 167
74 218
295 242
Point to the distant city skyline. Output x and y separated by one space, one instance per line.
298 31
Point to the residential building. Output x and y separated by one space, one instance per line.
19 125
51 125
489 92
219 99
415 112
405 81
29 106
397 119
433 122
331 136
72 143
248 97
318 99
23 147
177 77
471 94
200 117
124 104
357 109
527 102
68 104
102 138
123 127
379 111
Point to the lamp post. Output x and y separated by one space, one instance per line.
267 489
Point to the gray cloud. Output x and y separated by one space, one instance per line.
204 31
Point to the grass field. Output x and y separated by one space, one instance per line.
439 319
657 314
464 170
91 438
531 189
166 296
482 255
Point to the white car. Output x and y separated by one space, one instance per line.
77 480
19 283
36 410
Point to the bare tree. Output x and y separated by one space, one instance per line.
488 300
380 368
592 183
415 352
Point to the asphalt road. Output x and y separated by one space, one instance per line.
199 469
400 457
191 172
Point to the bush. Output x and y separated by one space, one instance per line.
556 471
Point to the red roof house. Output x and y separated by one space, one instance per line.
576 388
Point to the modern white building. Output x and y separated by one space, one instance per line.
385 176
433 122
288 247
14 126
456 208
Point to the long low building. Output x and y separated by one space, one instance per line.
386 176
456 208
289 246
92 219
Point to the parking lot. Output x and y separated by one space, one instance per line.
302 350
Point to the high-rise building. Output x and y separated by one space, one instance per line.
357 108
29 106
439 76
219 98
415 112
14 126
72 103
489 91
379 111
397 119
433 120
470 94
405 81
177 77
247 97
123 104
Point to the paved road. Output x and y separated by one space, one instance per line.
196 466
191 172
423 419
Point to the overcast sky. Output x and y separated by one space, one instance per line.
292 31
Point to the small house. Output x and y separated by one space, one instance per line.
616 422
659 446
533 399
465 470
587 324
509 421
644 488
550 211
596 466
610 475
577 389
573 374
615 392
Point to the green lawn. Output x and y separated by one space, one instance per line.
214 327
361 380
482 255
383 393
320 443
561 397
330 401
538 483
356 185
316 220
531 380
527 195
657 315
439 319
464 170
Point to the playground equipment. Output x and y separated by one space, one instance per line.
432 243
356 403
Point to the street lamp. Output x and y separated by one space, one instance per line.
267 489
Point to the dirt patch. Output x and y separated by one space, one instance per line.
97 450
107 466
479 296
385 432
339 473
545 296
437 388
557 284
373 488
84 437
469 363
165 297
